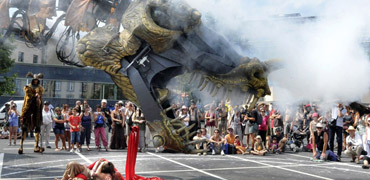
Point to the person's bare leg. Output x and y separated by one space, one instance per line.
56 141
63 139
15 134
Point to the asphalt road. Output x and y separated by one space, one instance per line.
51 164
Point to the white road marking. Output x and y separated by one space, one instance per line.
61 160
193 170
338 163
84 158
181 164
30 170
1 163
279 167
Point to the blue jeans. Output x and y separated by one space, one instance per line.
75 137
329 155
217 148
339 131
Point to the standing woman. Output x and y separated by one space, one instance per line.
13 124
211 119
86 118
67 134
99 131
262 128
347 121
117 140
59 129
140 122
130 110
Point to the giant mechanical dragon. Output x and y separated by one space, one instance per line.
160 40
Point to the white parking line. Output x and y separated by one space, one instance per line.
1 163
181 164
279 167
84 158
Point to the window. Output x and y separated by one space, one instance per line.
71 86
57 86
84 87
35 59
17 85
20 56
45 84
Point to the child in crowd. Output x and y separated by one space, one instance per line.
259 147
5 133
75 124
274 145
240 149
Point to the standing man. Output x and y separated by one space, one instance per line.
194 118
47 119
222 117
336 127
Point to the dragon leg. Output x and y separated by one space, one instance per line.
20 150
37 139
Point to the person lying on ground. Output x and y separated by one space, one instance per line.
99 170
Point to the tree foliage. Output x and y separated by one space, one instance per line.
7 85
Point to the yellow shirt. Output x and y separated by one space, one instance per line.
230 139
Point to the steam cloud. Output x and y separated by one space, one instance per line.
324 58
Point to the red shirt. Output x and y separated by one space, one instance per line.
75 121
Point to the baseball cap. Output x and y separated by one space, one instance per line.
258 137
46 103
319 125
104 101
315 115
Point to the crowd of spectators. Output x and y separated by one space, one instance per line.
219 128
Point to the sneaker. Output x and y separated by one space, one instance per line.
72 151
357 161
198 154
278 151
9 144
204 153
78 150
14 143
156 150
213 152
353 159
339 159
222 153
365 167
49 147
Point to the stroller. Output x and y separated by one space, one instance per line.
296 137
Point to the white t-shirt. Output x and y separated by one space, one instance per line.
356 141
47 117
335 115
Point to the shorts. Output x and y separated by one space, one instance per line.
58 131
253 128
13 123
75 137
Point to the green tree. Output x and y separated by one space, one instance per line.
7 85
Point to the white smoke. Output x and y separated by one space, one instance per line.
324 58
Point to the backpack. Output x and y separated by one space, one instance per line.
259 119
